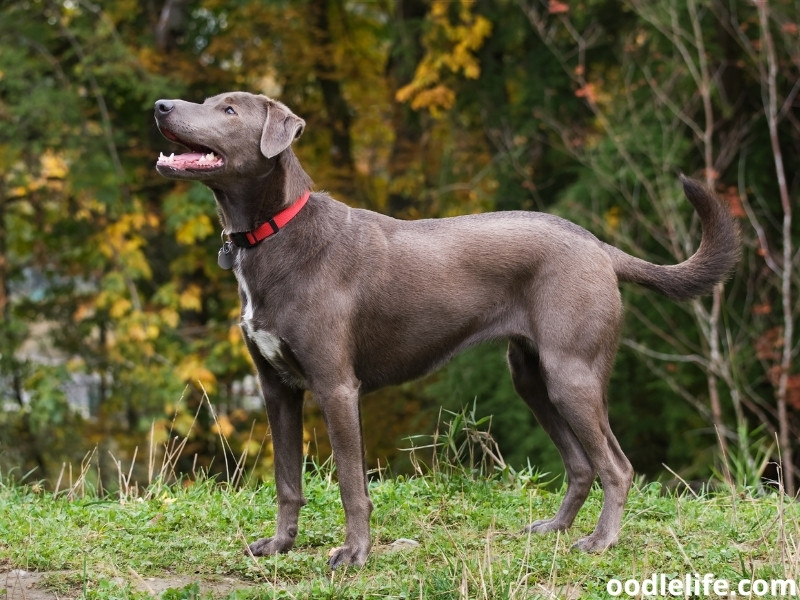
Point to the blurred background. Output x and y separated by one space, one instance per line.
119 332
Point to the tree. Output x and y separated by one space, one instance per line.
698 76
417 109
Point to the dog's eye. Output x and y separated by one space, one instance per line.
229 110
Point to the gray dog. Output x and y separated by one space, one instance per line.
342 301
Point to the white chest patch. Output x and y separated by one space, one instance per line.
268 344
247 301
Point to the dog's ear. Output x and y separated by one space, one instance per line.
281 128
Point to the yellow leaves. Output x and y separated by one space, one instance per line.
83 311
191 298
123 242
89 207
612 217
52 170
255 448
143 332
183 423
134 326
151 59
236 347
53 166
169 317
234 335
18 191
194 229
223 426
450 48
119 308
439 96
192 370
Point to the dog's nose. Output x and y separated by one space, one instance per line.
164 106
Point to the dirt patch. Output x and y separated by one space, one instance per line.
28 585
61 585
217 587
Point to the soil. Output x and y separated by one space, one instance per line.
60 585
20 584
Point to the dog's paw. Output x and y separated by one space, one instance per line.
594 543
545 526
269 546
349 554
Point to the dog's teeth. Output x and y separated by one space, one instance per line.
203 159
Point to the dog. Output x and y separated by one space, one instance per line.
342 301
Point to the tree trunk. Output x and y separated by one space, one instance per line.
8 344
336 107
407 149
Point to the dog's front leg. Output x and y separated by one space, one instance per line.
285 413
342 416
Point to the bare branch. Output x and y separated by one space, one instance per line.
771 111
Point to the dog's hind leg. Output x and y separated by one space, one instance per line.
529 384
577 391
285 413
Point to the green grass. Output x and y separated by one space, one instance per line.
187 541
190 539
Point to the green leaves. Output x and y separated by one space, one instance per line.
537 105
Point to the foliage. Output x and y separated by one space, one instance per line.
670 55
451 49
479 379
588 109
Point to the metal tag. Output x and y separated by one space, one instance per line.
225 256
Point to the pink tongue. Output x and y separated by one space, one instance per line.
193 160
190 159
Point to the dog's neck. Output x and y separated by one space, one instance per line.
246 202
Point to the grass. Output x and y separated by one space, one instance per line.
186 540
468 534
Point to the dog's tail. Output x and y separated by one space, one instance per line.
713 262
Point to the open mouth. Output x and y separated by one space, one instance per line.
201 158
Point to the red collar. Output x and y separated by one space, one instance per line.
248 239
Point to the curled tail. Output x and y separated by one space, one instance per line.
713 262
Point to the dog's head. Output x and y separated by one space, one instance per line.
231 134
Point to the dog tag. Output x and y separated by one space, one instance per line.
225 256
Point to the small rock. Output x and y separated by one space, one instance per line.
404 543
18 573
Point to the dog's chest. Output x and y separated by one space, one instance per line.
270 345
